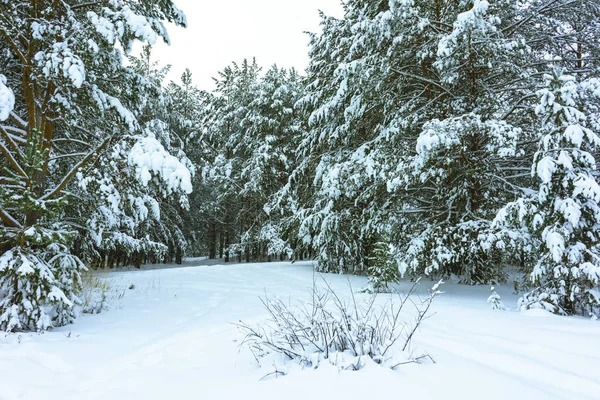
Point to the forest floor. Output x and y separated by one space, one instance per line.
169 335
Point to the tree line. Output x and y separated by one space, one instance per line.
452 138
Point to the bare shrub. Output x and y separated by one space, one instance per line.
97 293
346 333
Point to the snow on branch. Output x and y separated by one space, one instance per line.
71 174
7 99
61 60
149 156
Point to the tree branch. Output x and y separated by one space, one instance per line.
9 220
65 181
13 162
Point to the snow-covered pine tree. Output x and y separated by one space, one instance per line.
38 284
382 266
466 164
495 300
464 180
564 215
189 116
341 175
160 122
132 219
62 70
381 77
231 147
562 33
250 132
453 172
274 128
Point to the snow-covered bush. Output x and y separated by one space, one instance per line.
30 297
344 333
39 278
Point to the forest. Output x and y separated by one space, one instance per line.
426 138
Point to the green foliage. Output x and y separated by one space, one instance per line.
383 267
72 115
564 215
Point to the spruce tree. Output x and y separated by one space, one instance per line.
564 215
382 266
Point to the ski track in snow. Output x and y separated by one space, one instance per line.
172 336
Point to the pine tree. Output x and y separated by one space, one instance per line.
372 97
63 108
227 136
273 128
382 267
456 173
564 215
190 117
338 183
250 133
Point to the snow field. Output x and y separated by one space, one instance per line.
172 336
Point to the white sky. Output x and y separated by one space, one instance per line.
222 31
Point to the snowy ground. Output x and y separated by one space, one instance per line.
170 337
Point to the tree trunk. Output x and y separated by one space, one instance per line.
178 256
227 246
212 251
221 243
137 260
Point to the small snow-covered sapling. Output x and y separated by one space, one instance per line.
495 300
